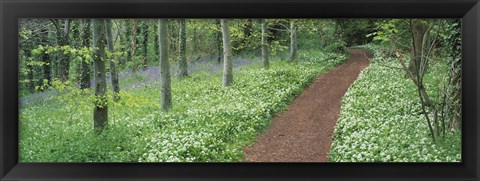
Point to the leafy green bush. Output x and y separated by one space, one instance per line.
381 120
339 46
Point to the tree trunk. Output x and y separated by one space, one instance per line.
264 45
155 38
166 95
227 55
195 44
418 35
247 31
134 45
30 76
113 69
76 43
62 40
47 69
85 65
145 43
126 41
100 112
418 32
218 41
293 41
183 67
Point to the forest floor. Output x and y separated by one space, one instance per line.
303 132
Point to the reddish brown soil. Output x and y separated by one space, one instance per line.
303 133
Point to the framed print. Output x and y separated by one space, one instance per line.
239 90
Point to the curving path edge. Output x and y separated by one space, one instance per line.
303 132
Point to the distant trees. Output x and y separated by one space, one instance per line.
49 48
165 89
227 55
353 31
47 67
89 47
125 41
100 112
133 49
29 67
182 62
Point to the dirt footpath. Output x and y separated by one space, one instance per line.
303 133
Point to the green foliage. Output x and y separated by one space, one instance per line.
453 44
393 35
77 56
207 123
381 119
321 34
329 59
353 31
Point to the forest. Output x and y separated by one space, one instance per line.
239 90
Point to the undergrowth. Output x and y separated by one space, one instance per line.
208 123
381 118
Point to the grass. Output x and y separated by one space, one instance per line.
208 123
381 120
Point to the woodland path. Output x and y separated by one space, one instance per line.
303 132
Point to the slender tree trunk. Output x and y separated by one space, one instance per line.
126 41
247 31
195 44
264 45
166 95
76 43
113 69
218 41
85 65
62 40
134 45
227 55
100 112
155 38
66 59
293 41
47 67
183 67
31 83
145 44
249 27
60 55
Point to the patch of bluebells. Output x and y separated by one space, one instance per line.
151 75
145 77
35 98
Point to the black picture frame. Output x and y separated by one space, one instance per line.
467 10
